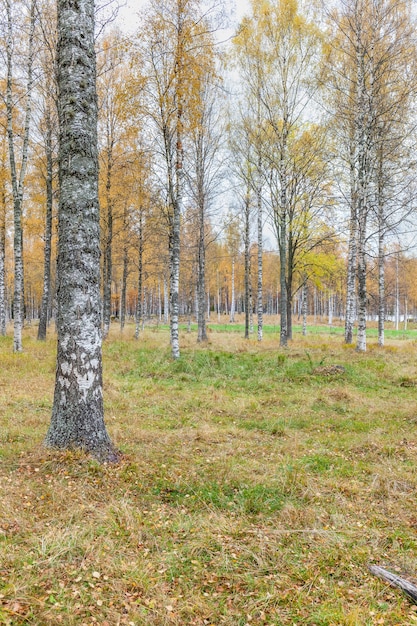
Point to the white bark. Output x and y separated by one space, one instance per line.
381 277
246 242
3 209
18 177
2 271
166 301
397 294
232 305
139 303
260 297
43 319
201 245
304 307
108 243
125 272
330 318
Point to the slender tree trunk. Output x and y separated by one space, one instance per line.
351 275
176 195
139 309
281 226
247 266
2 270
304 307
201 271
174 284
250 297
362 292
283 341
77 414
289 285
397 294
107 265
232 305
362 288
260 297
190 308
364 140
381 287
218 297
166 301
3 291
46 294
18 178
330 316
123 306
123 295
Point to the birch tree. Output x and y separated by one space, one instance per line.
284 60
47 90
371 52
233 238
111 115
4 174
77 414
18 150
173 53
206 172
248 57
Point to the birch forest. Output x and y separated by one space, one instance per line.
270 172
208 313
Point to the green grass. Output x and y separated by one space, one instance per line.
254 488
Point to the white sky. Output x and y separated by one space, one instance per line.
128 21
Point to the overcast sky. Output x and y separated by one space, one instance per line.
127 17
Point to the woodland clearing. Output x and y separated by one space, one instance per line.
254 488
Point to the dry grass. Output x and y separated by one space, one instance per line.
252 491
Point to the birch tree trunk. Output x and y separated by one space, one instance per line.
362 291
46 293
123 294
397 294
18 178
304 307
139 307
260 298
283 339
289 283
232 305
174 282
166 301
330 316
125 271
363 143
381 271
201 269
247 265
218 297
107 265
3 213
77 414
176 183
351 267
3 267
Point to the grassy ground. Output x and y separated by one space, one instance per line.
255 489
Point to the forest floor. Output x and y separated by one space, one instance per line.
257 485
